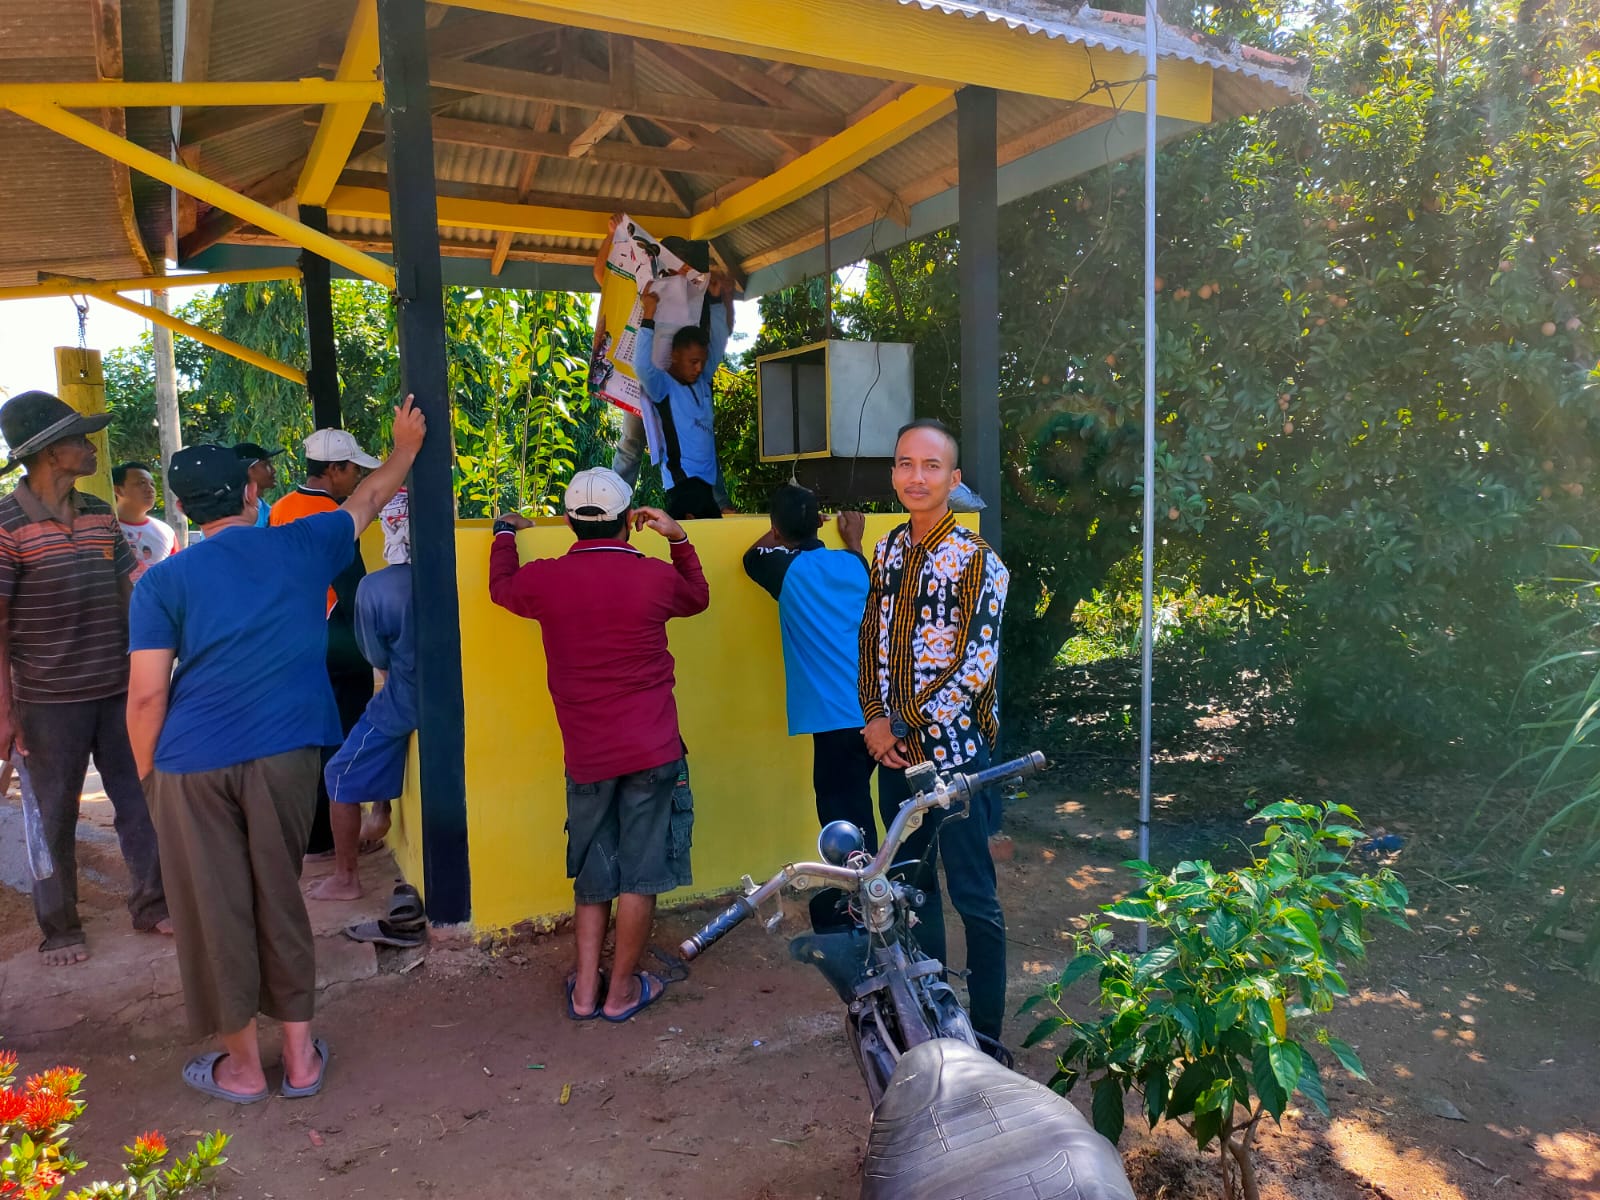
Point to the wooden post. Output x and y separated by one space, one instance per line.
419 300
322 370
978 273
168 429
82 384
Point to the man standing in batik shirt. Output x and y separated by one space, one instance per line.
930 646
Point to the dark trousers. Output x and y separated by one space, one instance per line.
60 738
969 874
841 776
352 692
693 499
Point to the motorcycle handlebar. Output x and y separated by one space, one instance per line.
719 926
962 785
1028 764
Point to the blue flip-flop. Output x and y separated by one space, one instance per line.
290 1092
200 1073
600 997
647 997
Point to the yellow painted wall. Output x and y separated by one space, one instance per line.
754 808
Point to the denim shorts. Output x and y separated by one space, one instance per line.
618 835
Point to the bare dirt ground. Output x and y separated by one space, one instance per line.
452 1079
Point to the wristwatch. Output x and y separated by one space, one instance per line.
898 726
504 527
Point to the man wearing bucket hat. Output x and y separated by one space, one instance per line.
370 768
232 797
335 463
603 609
65 577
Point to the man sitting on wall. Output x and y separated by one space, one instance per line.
603 609
821 595
682 398
233 799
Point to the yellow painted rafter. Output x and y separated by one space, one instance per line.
114 93
889 41
215 340
539 220
341 123
835 158
87 133
67 286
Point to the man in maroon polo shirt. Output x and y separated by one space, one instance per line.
603 609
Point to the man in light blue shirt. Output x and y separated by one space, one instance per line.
821 596
681 396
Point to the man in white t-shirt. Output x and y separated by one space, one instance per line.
150 539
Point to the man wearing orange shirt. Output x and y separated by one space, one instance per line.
335 464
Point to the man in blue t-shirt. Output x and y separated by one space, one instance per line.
821 595
370 768
233 796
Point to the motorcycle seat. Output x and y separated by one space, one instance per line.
956 1125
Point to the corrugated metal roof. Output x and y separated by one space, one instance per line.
88 225
286 39
1282 78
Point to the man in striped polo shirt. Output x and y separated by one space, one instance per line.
65 577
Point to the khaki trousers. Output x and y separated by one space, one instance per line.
232 841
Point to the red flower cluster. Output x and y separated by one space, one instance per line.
12 1106
152 1144
62 1081
46 1110
8 1061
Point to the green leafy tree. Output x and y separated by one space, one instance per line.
1377 358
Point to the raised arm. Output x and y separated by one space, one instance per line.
510 586
377 489
653 379
693 594
721 327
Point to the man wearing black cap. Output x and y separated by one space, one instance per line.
233 798
263 473
65 576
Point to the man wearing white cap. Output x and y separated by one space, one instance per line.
335 463
603 609
370 767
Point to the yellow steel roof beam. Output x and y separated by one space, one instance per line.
87 133
66 285
341 123
535 219
889 41
835 158
116 93
215 340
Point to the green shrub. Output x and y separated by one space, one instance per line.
1212 1026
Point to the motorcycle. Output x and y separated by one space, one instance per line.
951 1120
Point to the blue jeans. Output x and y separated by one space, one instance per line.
969 874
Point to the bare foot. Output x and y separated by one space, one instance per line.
65 956
302 1071
335 887
163 926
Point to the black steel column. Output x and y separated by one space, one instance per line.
979 276
316 285
419 302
